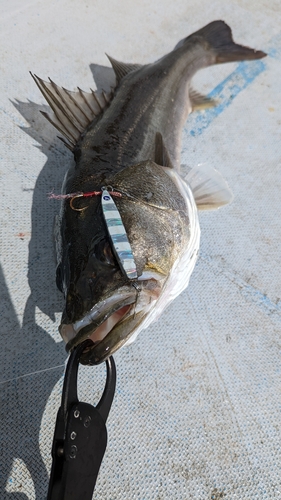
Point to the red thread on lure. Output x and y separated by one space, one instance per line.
52 196
73 196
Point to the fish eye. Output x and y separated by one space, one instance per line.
103 252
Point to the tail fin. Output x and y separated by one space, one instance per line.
219 37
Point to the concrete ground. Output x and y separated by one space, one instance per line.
198 400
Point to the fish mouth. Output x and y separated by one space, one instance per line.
110 323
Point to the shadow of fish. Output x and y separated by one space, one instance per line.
128 232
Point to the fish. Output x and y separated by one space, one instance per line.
127 234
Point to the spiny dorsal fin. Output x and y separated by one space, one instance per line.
199 101
162 156
72 111
122 69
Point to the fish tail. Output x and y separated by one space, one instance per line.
218 36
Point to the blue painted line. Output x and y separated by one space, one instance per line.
228 89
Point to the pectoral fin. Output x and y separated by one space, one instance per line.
210 190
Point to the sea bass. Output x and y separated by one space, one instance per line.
128 233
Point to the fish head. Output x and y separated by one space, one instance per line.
102 303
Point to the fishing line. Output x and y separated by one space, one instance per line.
31 373
138 290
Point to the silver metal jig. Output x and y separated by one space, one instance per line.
118 235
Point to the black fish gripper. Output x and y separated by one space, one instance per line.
80 436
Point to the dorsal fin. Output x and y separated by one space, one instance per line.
72 111
199 101
162 156
122 69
